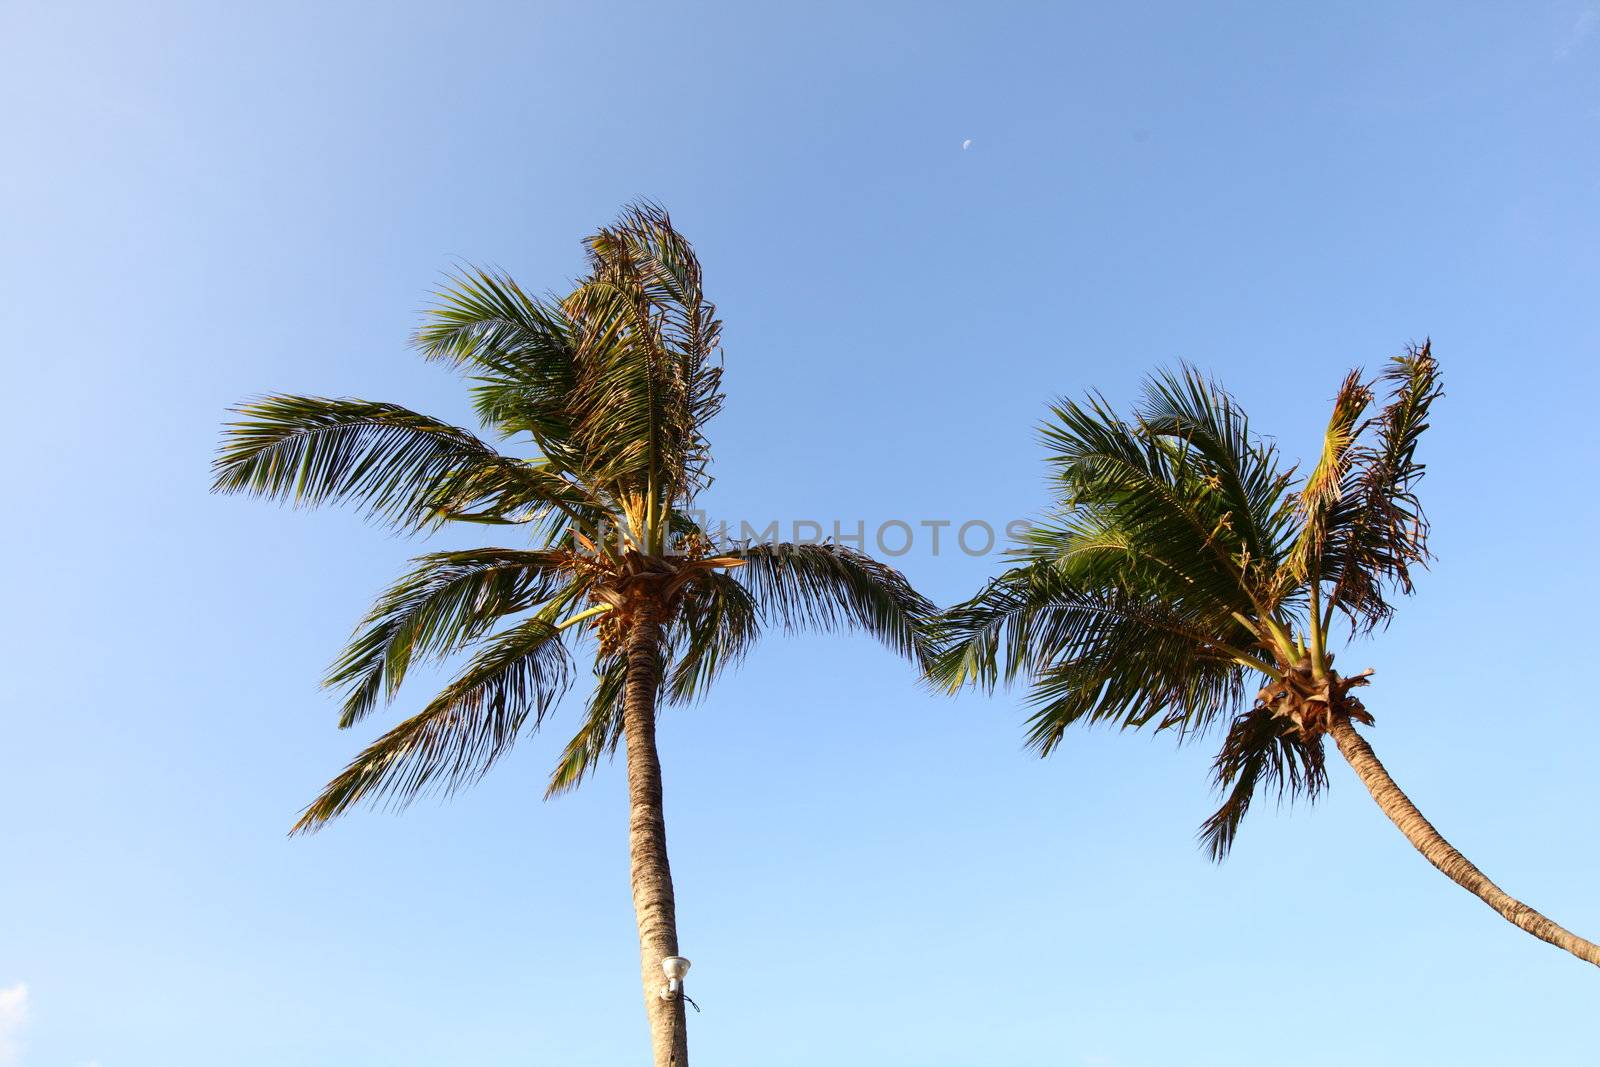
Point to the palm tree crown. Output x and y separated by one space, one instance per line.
612 387
1188 580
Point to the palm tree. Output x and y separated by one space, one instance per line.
1185 581
610 389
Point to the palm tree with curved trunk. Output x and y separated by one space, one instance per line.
609 390
1186 581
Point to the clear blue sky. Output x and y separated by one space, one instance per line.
200 204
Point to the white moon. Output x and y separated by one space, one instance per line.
966 144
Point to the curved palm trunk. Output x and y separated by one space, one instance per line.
1439 852
653 904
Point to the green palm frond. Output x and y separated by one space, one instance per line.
644 248
313 450
521 350
1108 657
647 382
1185 670
1129 676
1324 489
1239 468
828 586
1260 750
716 624
600 733
511 492
1160 496
1380 531
462 732
447 601
996 635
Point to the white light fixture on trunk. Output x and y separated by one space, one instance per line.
675 967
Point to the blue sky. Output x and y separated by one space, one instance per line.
200 204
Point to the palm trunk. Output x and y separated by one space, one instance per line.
653 905
1439 852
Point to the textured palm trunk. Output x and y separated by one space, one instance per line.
1439 852
653 904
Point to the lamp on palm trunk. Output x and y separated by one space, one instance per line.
674 967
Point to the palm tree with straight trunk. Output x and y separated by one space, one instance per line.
1185 581
609 390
